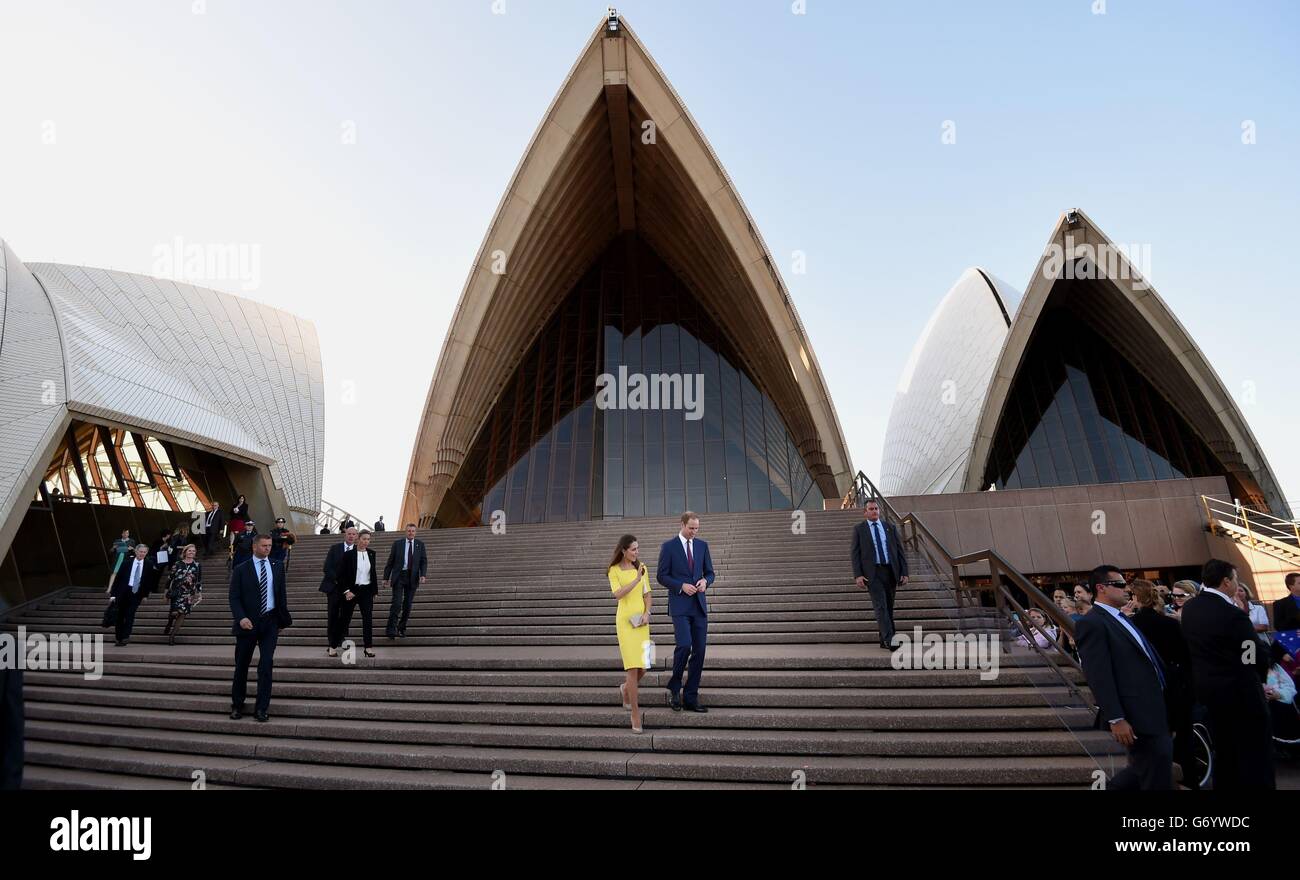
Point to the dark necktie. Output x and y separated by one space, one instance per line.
879 540
266 589
690 558
1152 656
408 556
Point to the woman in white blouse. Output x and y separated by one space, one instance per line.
1257 612
359 583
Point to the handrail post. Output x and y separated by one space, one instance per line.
1209 520
1246 520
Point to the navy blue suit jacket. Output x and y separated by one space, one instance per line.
246 595
673 572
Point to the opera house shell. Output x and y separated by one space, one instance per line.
1090 379
128 401
621 248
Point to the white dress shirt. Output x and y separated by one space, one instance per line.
270 581
137 570
363 570
1224 596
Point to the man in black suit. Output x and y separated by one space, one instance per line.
131 587
1127 678
214 520
329 584
1286 611
260 607
11 729
1229 666
405 572
880 565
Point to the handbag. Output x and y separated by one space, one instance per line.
639 620
110 615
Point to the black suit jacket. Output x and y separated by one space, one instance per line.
218 521
348 575
419 561
1122 677
864 551
333 559
1218 636
246 595
1286 613
122 580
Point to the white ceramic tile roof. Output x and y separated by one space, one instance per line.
933 420
191 363
31 378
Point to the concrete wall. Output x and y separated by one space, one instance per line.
1155 524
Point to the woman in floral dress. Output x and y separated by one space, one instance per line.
184 590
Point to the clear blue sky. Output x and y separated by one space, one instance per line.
225 127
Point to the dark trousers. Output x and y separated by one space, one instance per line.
128 606
11 729
691 633
1243 746
264 635
1150 765
332 602
399 612
883 585
343 621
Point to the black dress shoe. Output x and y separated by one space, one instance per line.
236 712
694 707
401 633
261 716
674 702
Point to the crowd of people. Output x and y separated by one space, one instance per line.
1159 659
174 563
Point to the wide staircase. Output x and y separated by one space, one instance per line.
509 678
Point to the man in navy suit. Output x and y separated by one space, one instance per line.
260 608
130 588
686 571
1127 677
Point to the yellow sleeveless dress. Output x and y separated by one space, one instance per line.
631 640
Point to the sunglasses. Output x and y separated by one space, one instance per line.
1181 596
1116 584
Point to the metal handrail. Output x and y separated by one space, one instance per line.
1257 523
921 539
332 516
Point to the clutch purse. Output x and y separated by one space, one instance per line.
639 620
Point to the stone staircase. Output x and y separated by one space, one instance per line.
510 671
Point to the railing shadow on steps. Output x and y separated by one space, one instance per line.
1010 613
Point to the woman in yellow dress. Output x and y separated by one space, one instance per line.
630 583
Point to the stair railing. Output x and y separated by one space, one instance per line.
331 516
1257 524
1002 576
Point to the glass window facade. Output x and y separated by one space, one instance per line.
1080 413
548 452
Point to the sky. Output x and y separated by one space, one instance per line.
361 149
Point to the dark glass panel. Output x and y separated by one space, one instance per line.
547 452
1079 412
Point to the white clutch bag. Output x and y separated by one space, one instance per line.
639 620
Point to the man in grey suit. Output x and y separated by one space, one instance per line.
1127 677
880 565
